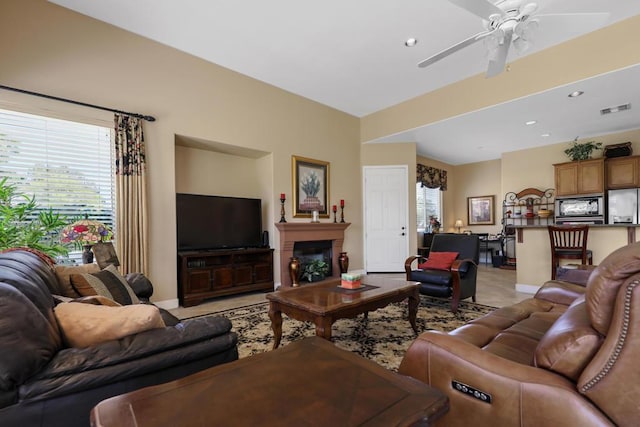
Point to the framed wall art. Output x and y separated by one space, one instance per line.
310 187
480 210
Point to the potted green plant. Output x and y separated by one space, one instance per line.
24 224
583 151
315 270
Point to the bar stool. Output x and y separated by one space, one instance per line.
568 242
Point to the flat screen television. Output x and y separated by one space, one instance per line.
217 222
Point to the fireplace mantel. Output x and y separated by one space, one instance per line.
292 232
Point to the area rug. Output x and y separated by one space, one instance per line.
383 337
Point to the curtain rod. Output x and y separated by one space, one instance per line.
84 104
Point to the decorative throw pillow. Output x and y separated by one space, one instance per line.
64 272
439 261
108 283
84 325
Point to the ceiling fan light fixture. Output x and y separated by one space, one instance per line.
526 29
521 45
411 42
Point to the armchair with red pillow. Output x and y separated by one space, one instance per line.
450 270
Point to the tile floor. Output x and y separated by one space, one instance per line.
495 287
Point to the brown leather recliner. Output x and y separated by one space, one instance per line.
569 356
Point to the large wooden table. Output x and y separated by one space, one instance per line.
306 383
324 303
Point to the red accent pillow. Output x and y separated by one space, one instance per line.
439 261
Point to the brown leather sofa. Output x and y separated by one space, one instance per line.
45 382
569 356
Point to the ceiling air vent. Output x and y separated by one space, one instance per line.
617 109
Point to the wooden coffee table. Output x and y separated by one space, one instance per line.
306 383
324 303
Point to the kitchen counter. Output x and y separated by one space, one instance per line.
533 252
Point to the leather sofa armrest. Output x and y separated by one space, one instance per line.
409 261
141 285
462 266
559 292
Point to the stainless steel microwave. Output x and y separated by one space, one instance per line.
580 207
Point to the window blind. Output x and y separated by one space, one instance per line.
67 166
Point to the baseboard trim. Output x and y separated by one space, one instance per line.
167 304
526 289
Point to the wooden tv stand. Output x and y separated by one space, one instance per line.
208 274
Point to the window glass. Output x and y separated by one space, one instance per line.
429 203
67 166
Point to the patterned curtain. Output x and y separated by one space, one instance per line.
131 198
432 177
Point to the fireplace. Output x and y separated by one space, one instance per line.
297 232
313 250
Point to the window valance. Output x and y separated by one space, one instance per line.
432 177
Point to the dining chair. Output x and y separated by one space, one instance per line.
568 242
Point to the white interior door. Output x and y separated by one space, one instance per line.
385 218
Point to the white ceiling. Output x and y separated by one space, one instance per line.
350 55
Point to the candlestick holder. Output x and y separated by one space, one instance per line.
335 216
341 213
282 210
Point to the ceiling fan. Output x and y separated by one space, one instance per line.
507 22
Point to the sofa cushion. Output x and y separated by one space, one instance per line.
64 272
108 282
437 277
439 261
84 325
570 344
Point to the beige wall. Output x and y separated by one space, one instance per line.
475 180
48 49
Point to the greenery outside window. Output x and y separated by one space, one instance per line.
429 203
68 166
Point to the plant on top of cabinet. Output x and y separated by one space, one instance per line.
583 151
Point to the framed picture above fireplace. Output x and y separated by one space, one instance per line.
310 187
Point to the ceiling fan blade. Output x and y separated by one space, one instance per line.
456 47
496 66
482 8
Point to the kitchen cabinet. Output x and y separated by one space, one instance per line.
623 172
579 177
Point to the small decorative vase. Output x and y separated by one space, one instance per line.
87 255
294 271
343 262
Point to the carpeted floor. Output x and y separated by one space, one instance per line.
383 337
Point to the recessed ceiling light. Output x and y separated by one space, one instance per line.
411 42
575 94
545 135
530 122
